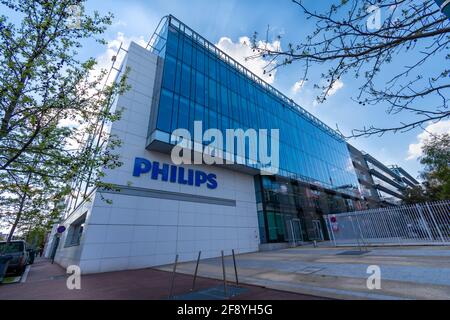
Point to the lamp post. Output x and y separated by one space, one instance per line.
444 5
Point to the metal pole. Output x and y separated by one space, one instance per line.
440 219
444 212
435 223
173 276
332 231
224 276
419 209
55 247
363 241
235 269
196 270
354 232
292 232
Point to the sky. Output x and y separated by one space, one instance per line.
230 23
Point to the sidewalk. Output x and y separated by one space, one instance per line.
47 281
341 273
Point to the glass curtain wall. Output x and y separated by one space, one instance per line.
199 85
281 200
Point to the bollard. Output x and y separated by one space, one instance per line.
196 270
173 276
235 269
224 276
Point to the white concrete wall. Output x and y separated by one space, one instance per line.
70 254
137 232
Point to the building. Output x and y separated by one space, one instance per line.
405 178
158 209
380 184
366 182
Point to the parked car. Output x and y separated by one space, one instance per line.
18 249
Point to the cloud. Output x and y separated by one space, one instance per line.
415 149
104 60
337 85
120 23
298 86
241 51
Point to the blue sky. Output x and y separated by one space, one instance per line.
215 19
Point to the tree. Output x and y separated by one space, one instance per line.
362 38
53 108
436 175
416 194
436 159
32 188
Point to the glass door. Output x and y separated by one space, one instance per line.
318 233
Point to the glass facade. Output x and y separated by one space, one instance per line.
201 83
198 85
281 200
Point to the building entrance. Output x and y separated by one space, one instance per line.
294 231
317 230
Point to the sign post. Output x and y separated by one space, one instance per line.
59 231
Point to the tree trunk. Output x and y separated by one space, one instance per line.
19 213
16 221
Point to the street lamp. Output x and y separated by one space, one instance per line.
444 5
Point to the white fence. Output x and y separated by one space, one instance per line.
419 224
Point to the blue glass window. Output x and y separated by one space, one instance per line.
187 51
198 85
175 108
172 41
200 61
183 115
185 81
212 93
165 110
198 112
200 88
170 68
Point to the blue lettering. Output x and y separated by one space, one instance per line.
141 166
174 174
200 178
157 171
212 182
190 177
181 179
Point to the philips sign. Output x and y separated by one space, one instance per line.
173 173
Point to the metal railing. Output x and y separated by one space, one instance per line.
419 224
